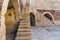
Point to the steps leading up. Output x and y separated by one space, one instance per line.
24 34
23 38
24 31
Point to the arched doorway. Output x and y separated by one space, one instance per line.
32 19
49 16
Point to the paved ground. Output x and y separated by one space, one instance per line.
48 33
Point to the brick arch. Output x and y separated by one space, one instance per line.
49 15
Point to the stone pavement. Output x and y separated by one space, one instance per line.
48 33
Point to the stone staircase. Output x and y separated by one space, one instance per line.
24 31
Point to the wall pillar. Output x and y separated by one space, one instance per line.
2 27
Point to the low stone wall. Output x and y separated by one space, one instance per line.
57 22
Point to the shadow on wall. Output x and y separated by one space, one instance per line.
48 16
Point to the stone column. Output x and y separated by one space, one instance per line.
2 27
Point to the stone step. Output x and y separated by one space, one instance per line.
24 23
23 38
24 26
23 34
24 18
24 30
26 15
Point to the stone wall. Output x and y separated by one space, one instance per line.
52 6
41 20
55 14
46 4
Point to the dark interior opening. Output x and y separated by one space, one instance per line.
32 19
48 16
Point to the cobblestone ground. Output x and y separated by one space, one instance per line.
48 33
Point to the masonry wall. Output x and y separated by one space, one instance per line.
41 20
55 14
46 4
52 6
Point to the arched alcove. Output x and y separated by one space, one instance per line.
32 19
11 21
49 16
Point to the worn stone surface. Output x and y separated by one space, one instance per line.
40 20
46 4
48 33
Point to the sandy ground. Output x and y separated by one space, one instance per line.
48 33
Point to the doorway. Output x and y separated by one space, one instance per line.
32 19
